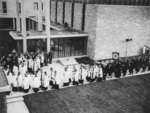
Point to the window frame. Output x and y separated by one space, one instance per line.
4 7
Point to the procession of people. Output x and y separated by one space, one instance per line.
35 71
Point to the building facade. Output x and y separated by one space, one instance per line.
95 28
109 23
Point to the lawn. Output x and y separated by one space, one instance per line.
128 95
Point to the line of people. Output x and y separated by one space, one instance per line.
32 73
128 66
48 77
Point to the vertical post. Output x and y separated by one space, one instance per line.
56 5
126 52
14 24
32 22
83 16
63 15
18 24
72 14
127 41
17 17
40 15
29 24
47 19
23 27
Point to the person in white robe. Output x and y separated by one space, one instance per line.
56 80
39 74
100 73
92 78
35 68
9 78
57 77
6 70
79 73
26 83
84 73
15 70
20 81
31 77
36 83
65 77
75 76
51 77
38 62
95 71
70 71
88 74
45 82
14 82
21 67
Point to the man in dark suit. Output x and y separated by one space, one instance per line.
50 56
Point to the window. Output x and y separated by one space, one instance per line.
34 44
4 6
36 6
72 46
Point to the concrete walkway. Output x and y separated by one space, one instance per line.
15 104
15 101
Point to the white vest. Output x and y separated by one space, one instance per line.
36 82
26 83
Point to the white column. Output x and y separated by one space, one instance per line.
23 27
47 20
40 15
14 24
32 24
17 17
18 24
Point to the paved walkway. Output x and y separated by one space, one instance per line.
127 95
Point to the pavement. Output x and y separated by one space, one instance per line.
126 95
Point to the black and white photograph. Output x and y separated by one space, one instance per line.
74 56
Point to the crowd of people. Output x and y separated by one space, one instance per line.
126 66
35 71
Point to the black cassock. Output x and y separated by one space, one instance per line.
48 58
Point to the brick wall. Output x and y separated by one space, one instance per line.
115 24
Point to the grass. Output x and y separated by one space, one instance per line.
128 95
